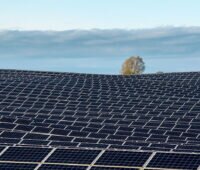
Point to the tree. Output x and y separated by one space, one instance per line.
133 65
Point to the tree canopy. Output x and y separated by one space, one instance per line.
133 65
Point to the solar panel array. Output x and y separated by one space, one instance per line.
60 121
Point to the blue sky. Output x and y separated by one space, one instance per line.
102 14
96 36
101 51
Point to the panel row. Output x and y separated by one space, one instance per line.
99 158
71 132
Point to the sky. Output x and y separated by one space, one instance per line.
96 36
101 14
101 51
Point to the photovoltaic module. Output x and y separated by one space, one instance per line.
51 120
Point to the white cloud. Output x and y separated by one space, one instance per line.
158 42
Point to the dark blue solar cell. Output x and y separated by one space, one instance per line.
175 161
42 129
34 142
78 156
123 158
9 140
24 154
7 119
24 127
12 134
61 167
36 136
23 121
60 132
112 168
78 134
17 166
66 144
5 125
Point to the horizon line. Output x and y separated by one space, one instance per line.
92 29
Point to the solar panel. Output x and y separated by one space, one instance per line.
4 125
24 154
12 134
175 161
76 156
112 168
123 158
142 113
61 167
9 141
17 166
